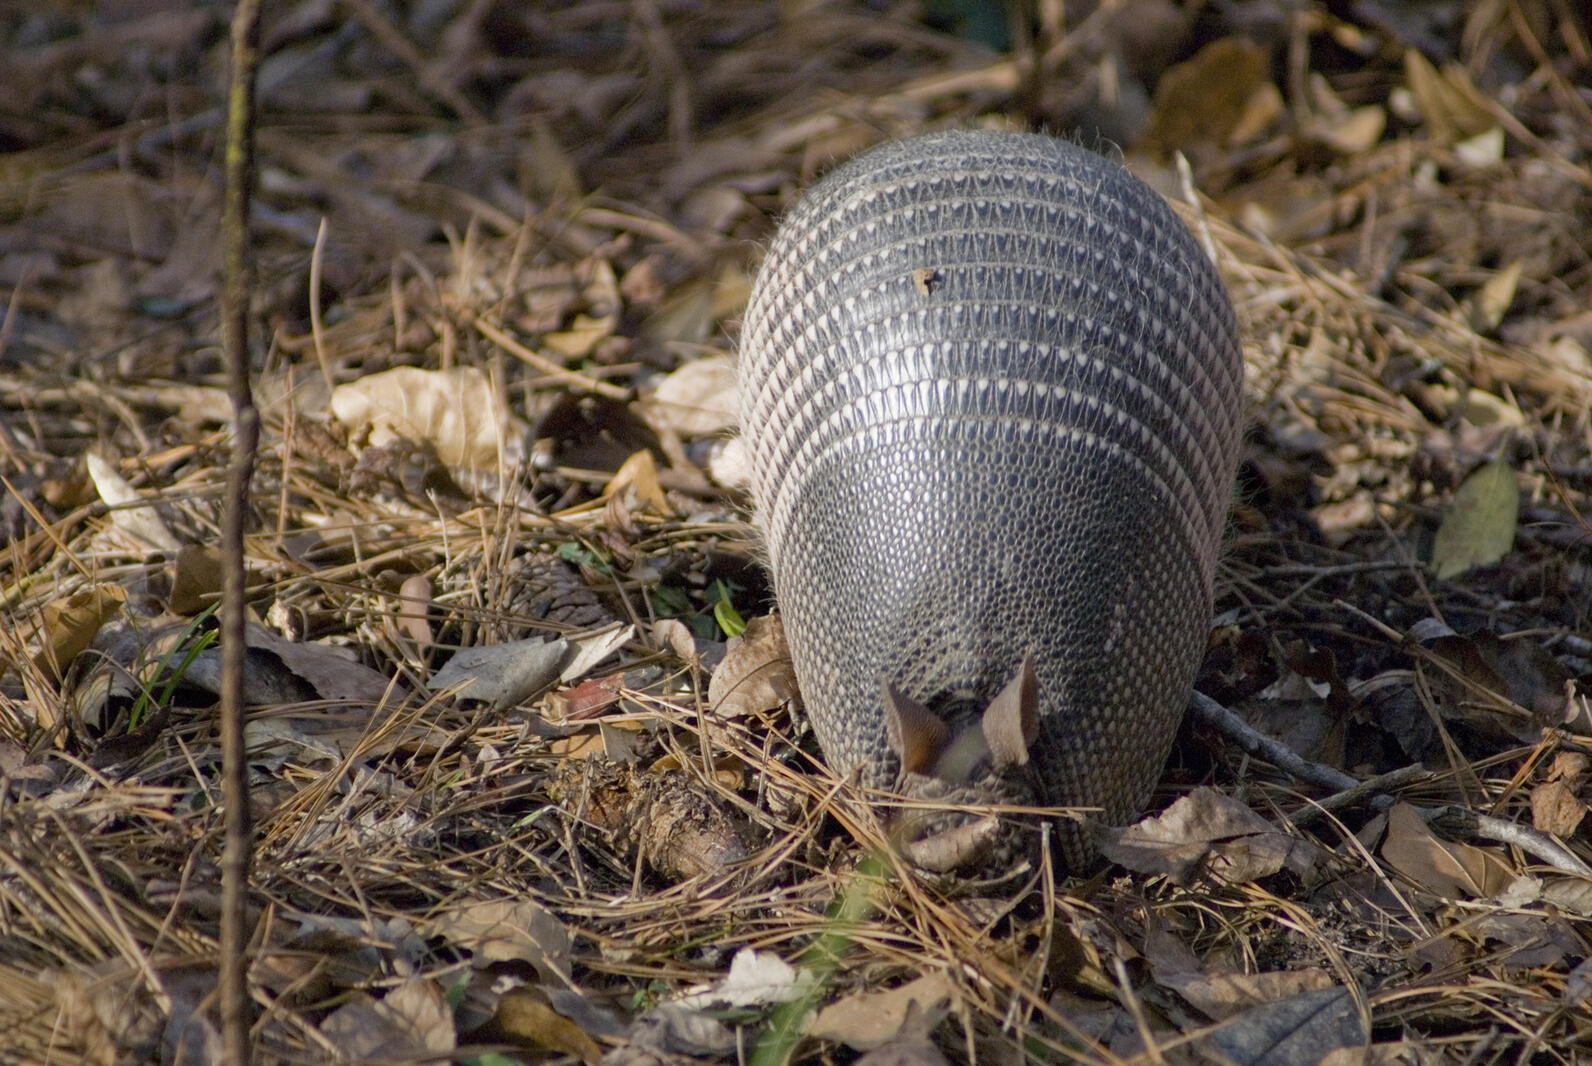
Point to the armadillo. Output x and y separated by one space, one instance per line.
990 392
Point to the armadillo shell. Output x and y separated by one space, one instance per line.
991 391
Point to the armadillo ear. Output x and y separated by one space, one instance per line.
1011 721
916 734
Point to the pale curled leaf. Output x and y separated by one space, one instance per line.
695 400
129 512
504 674
865 1020
756 978
456 412
504 930
1484 150
413 597
593 646
1495 296
1352 132
675 635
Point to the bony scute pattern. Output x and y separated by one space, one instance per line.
991 391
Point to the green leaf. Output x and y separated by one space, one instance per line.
703 627
575 552
1478 528
669 602
724 612
172 670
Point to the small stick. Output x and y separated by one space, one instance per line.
237 851
1537 844
546 365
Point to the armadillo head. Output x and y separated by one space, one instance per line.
984 761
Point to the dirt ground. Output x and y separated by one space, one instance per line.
504 810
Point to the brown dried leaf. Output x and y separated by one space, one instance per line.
1519 671
116 213
549 170
195 579
1532 940
1568 766
1450 103
686 317
1176 842
70 625
109 1018
330 672
581 337
1578 985
1442 867
1250 858
1556 809
523 1017
1571 894
639 475
413 1020
914 1049
589 699
865 1020
600 297
1200 101
507 929
1222 995
1303 1028
756 674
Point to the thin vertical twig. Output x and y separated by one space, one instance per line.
237 283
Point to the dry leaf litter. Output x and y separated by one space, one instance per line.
518 796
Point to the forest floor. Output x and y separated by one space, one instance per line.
504 809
